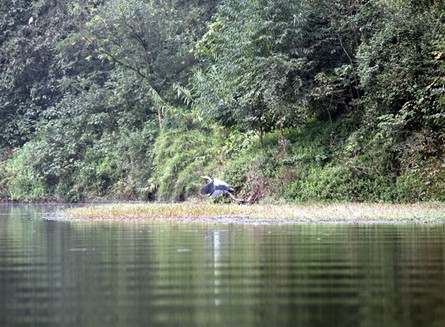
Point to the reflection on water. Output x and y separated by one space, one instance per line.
59 273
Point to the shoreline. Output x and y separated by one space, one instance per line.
262 214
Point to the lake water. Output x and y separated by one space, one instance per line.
61 273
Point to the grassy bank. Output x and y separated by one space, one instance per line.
352 212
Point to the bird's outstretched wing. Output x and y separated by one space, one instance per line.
216 187
217 193
207 189
221 185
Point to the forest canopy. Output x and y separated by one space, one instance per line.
296 101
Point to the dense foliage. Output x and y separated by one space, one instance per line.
302 100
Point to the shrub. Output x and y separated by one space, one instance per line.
18 177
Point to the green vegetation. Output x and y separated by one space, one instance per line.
289 101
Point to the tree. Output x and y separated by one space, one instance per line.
272 63
29 72
149 38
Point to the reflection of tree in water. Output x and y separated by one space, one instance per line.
220 255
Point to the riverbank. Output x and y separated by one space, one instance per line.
310 213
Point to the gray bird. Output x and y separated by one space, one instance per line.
215 187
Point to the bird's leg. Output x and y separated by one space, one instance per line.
235 199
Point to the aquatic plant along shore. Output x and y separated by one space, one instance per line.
352 212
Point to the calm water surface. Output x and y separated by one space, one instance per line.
60 273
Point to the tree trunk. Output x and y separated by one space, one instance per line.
261 135
160 117
283 139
